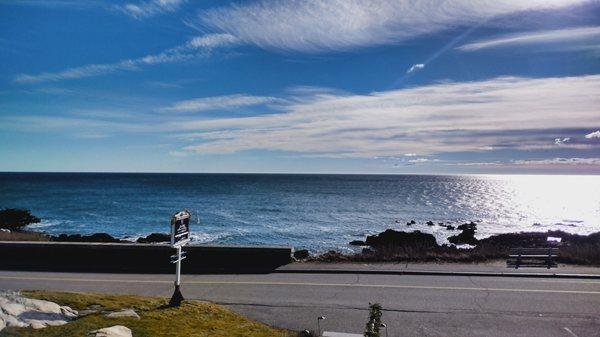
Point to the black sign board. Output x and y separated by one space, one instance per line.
180 228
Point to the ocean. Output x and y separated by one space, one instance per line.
318 212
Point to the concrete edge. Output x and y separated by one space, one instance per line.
438 273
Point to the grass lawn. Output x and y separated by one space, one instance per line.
192 319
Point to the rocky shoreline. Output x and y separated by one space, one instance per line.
388 246
415 246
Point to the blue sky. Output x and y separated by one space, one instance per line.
338 86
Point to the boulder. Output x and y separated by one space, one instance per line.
113 331
155 238
430 223
471 225
358 243
123 313
301 254
19 311
467 236
392 238
450 227
14 219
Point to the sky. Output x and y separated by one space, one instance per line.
301 86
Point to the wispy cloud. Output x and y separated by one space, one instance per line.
218 102
559 161
547 36
447 117
144 9
422 161
189 50
77 72
595 134
326 25
415 67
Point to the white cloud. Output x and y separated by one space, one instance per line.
438 118
559 161
218 102
213 41
415 67
77 72
422 160
561 141
150 8
191 49
546 36
595 134
325 25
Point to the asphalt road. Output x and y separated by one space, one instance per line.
413 305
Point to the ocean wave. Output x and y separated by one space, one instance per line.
44 224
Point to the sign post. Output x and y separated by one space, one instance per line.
180 236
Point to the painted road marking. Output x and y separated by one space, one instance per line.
570 332
309 284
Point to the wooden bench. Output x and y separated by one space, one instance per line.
532 257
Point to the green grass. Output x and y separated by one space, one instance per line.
192 319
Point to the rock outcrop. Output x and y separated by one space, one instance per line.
19 311
96 237
113 331
392 238
155 238
301 254
14 219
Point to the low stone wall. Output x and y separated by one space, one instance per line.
139 258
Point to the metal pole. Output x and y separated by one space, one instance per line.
177 296
178 268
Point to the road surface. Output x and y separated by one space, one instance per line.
413 305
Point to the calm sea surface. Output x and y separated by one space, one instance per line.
319 212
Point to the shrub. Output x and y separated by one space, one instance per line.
372 327
14 219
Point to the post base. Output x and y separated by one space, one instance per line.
176 298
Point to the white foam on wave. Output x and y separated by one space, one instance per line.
44 224
206 237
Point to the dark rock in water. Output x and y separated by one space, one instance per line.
540 239
358 243
14 219
440 223
412 222
409 223
301 254
430 223
467 236
450 227
101 237
391 238
154 238
471 225
96 237
333 256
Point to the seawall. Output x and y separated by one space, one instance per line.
138 258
